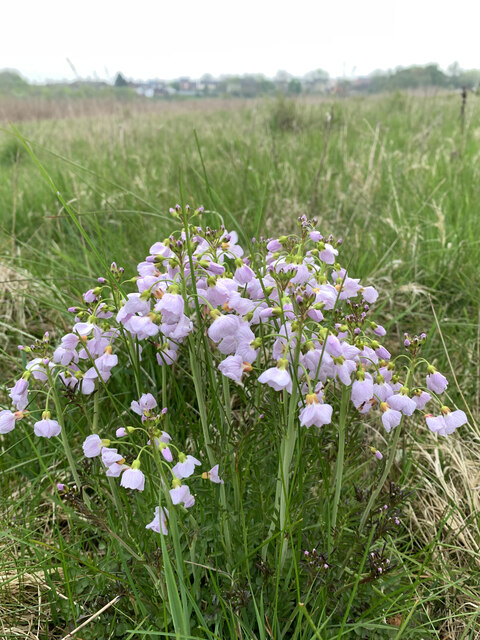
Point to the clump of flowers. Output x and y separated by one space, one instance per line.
286 321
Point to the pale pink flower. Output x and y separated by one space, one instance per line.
186 466
182 494
7 421
315 413
146 403
159 522
437 382
171 306
133 478
390 418
212 475
277 377
47 428
110 455
92 446
401 402
19 394
362 391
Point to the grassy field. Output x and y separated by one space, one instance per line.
396 176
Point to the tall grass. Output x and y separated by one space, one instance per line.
395 176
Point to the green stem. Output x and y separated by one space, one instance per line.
340 456
393 449
181 617
287 450
374 495
63 434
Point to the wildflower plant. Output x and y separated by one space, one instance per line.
227 405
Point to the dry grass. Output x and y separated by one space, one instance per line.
31 109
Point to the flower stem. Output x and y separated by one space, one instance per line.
374 495
63 434
340 456
393 449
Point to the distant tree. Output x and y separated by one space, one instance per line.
317 75
120 81
469 79
295 87
283 76
454 69
12 81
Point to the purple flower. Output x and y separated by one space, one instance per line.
177 331
133 478
243 274
121 432
370 294
46 428
437 382
401 402
277 377
421 398
390 418
83 328
37 368
19 394
216 269
382 391
453 419
159 522
233 367
315 413
344 369
446 424
146 403
88 381
104 364
110 455
379 330
223 326
274 245
362 391
186 466
212 475
328 254
92 446
142 327
171 306
180 494
66 352
115 469
166 452
230 246
7 421
89 296
134 304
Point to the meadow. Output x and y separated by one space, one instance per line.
397 178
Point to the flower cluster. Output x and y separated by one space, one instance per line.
132 476
288 316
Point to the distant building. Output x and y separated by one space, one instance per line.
187 87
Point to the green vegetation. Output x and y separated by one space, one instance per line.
396 176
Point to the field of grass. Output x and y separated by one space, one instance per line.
396 176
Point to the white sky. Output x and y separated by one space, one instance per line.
169 38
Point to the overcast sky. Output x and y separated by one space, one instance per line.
166 39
